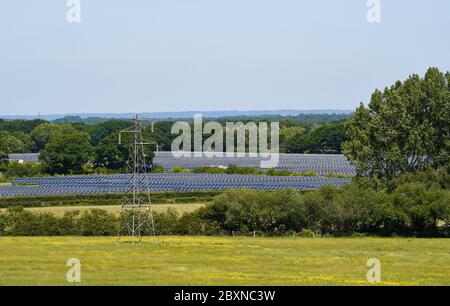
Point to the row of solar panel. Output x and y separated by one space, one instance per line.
319 163
24 157
81 185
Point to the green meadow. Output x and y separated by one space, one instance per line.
224 261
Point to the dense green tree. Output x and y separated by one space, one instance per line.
112 155
161 134
290 130
10 144
102 130
25 126
67 152
14 169
405 128
42 135
326 139
25 139
109 154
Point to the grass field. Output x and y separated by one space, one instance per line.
115 209
224 261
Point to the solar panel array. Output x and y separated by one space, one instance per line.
319 163
24 157
183 182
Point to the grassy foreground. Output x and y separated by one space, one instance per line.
224 261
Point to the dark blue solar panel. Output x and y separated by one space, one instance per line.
25 157
106 184
319 163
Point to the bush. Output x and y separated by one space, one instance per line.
245 210
306 234
419 209
275 172
68 224
165 222
158 169
426 208
189 224
233 169
3 224
180 170
15 169
97 222
29 224
210 170
255 171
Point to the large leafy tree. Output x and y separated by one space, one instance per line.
10 144
102 130
42 135
67 152
110 154
326 139
160 133
25 126
405 128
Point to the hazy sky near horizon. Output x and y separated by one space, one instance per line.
181 55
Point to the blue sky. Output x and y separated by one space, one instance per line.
178 55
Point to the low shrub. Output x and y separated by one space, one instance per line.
12 170
157 169
180 170
275 172
97 222
210 170
165 222
233 169
3 224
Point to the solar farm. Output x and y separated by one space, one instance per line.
187 182
182 182
322 164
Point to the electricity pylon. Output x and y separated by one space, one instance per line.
136 217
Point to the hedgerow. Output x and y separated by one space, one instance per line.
106 199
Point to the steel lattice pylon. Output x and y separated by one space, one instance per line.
136 218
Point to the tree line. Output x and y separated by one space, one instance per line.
77 147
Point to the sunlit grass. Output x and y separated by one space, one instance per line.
224 261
